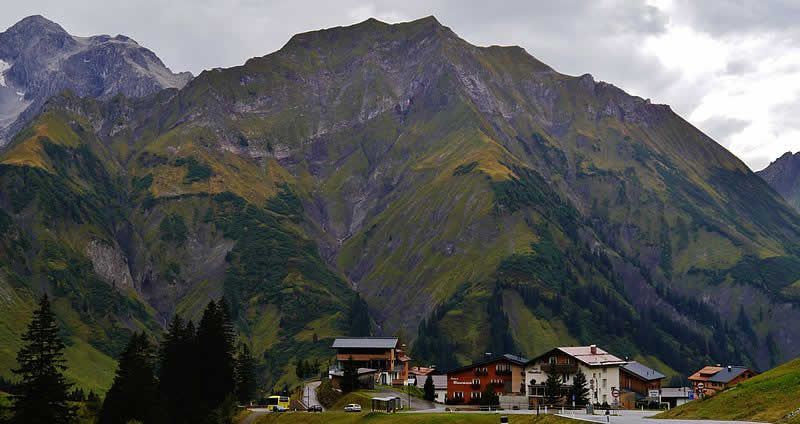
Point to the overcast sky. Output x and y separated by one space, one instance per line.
730 67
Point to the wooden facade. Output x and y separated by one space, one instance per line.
503 375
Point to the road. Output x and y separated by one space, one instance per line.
310 394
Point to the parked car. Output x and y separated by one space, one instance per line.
314 408
279 408
352 407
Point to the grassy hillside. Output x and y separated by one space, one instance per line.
378 418
768 397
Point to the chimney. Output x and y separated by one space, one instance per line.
593 348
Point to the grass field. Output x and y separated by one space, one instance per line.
381 418
768 397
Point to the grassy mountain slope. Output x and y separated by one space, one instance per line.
768 397
477 199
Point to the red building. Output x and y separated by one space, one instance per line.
503 374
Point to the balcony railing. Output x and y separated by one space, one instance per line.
560 368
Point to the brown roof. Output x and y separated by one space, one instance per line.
705 373
421 370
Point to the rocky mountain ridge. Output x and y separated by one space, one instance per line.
783 175
39 59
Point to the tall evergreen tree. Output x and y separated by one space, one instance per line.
42 392
178 384
133 394
579 392
552 389
245 375
300 369
216 340
359 318
429 389
350 378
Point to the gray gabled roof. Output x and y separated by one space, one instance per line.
365 342
725 375
643 372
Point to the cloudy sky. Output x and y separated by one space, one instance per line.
731 67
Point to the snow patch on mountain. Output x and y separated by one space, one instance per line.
4 66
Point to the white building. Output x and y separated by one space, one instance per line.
600 368
439 385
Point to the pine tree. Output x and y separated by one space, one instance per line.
245 375
359 318
350 377
178 384
579 392
42 392
552 389
216 339
430 390
299 369
133 394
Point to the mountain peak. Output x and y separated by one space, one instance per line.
37 24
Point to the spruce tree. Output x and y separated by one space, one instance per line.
179 383
429 389
216 343
350 378
359 318
245 375
579 392
133 394
552 388
42 392
299 369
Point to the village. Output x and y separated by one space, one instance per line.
567 376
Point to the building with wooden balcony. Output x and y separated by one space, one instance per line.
379 353
600 368
712 379
504 375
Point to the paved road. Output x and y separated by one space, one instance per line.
310 394
640 417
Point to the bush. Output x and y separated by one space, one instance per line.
326 394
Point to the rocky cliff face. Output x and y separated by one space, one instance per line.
783 175
38 59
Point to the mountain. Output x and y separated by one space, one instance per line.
39 59
478 200
783 175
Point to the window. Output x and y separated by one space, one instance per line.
475 395
458 395
552 359
604 383
476 382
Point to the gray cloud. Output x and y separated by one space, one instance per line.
720 128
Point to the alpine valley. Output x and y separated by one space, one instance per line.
474 198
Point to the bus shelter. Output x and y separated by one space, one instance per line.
386 404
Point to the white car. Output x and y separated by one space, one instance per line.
352 407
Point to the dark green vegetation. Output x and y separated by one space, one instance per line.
474 197
769 397
42 394
176 384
